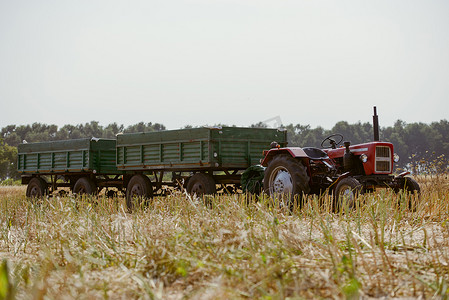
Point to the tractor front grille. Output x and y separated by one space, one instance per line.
382 151
383 159
382 166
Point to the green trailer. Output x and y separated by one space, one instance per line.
201 160
214 148
84 165
81 155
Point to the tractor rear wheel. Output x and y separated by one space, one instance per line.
201 184
139 188
346 193
286 178
37 188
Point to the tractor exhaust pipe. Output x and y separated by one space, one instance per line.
376 125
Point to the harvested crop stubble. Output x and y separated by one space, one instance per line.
178 247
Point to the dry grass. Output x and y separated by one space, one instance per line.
177 247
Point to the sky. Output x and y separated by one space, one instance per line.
233 62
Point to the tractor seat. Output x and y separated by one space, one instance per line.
315 153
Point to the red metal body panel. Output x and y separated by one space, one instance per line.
293 151
369 149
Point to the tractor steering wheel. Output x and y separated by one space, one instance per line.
332 143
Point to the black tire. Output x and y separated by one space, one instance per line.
139 187
409 186
37 188
286 177
346 192
85 186
201 184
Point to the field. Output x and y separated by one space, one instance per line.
227 247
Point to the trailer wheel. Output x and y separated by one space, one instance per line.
37 188
346 193
286 177
139 187
85 186
201 184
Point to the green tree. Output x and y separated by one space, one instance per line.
111 130
304 136
142 127
8 161
259 125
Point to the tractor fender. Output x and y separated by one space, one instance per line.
295 152
342 176
403 174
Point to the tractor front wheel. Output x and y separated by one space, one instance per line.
409 186
346 193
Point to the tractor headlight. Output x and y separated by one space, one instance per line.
395 157
364 158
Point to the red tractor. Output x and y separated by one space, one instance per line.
345 170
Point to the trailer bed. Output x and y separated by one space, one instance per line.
69 156
207 148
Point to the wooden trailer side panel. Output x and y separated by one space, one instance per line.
195 149
82 155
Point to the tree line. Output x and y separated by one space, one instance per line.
421 147
416 143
